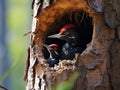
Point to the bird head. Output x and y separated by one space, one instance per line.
67 33
53 47
52 50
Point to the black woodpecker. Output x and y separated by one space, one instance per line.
69 34
53 54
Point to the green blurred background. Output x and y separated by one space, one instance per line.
15 20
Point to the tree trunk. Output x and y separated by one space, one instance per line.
98 65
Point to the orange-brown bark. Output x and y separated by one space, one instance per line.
98 64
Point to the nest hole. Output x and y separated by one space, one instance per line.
79 18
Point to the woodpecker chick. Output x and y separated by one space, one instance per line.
53 54
69 34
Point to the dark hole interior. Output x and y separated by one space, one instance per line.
84 26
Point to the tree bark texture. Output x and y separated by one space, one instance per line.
98 65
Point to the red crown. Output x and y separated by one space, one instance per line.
53 45
67 26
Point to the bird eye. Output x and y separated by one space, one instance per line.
66 33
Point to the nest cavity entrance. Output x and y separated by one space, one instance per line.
81 19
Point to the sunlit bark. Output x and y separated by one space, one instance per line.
98 65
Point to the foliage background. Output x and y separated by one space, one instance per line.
17 21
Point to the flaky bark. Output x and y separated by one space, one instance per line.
98 65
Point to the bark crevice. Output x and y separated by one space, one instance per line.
93 64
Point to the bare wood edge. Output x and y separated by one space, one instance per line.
99 28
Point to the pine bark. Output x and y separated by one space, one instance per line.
98 65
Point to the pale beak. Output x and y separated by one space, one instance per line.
46 46
56 36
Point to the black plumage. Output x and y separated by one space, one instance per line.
69 34
53 57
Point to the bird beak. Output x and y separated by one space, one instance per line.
46 46
56 36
